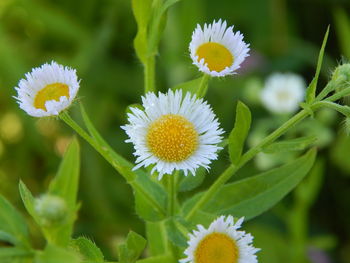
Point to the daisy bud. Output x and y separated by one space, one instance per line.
341 77
51 209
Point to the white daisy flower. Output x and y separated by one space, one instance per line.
216 50
220 243
173 133
283 92
47 90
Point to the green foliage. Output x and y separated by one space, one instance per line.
14 255
189 86
239 133
132 249
88 249
342 26
54 254
311 90
13 228
190 182
297 144
157 238
176 232
254 195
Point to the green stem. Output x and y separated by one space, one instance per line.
171 193
203 86
149 74
232 169
106 154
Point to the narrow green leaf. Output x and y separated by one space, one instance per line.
13 227
239 133
142 10
189 86
29 201
311 90
297 144
254 195
65 184
132 249
88 250
54 254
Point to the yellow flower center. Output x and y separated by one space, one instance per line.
217 248
52 91
217 56
172 138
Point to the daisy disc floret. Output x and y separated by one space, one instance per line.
47 90
173 132
283 93
222 242
216 50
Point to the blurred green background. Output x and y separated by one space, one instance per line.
96 38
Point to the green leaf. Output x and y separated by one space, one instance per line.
189 86
311 90
149 209
239 133
66 182
29 201
11 254
54 254
13 227
88 250
190 182
177 233
342 26
308 190
297 144
65 185
142 10
132 249
254 195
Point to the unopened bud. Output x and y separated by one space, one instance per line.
52 210
341 77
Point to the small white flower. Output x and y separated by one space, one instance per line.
173 133
283 93
220 243
216 50
47 90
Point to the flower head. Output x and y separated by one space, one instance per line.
220 243
283 93
216 50
51 209
173 133
47 90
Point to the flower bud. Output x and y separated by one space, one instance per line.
341 77
52 210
